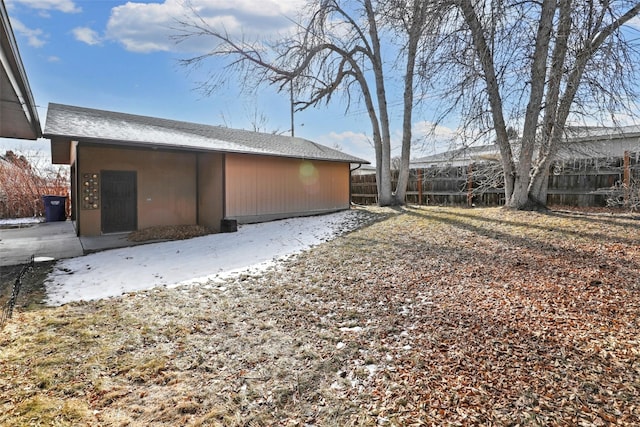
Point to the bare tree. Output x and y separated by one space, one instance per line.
539 64
258 121
339 49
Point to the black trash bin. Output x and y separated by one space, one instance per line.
55 208
228 226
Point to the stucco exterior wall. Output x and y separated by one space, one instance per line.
166 184
210 189
262 188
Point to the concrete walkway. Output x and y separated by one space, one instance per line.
107 241
54 240
48 239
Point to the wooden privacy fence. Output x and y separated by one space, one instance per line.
580 182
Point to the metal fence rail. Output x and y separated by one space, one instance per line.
7 310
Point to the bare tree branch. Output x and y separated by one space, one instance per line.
579 65
338 50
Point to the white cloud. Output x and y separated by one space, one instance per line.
144 27
53 58
86 35
426 128
430 138
427 139
149 27
66 6
35 38
355 143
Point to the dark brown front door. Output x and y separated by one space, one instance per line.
119 196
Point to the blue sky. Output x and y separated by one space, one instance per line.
119 56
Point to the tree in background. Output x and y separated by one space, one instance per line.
541 64
353 49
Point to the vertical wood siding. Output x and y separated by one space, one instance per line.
259 188
210 189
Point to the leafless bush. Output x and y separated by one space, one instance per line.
487 176
23 184
625 196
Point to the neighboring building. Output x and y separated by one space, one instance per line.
18 114
458 157
584 172
131 172
600 142
360 169
582 143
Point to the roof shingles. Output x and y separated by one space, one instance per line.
98 126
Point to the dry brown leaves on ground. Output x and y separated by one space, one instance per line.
173 232
433 316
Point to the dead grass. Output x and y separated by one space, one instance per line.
427 317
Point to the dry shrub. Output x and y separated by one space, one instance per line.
625 196
23 184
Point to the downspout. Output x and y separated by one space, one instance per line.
197 188
224 185
76 203
350 192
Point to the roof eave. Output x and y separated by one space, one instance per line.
16 77
175 147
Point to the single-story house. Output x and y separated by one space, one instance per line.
600 142
360 169
458 157
18 114
130 172
582 143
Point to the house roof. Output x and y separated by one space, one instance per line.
18 114
459 156
582 142
584 133
67 123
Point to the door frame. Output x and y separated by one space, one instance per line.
104 219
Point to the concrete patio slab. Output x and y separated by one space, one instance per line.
55 240
106 241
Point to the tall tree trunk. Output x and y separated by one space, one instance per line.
485 56
520 197
558 108
539 187
414 33
385 194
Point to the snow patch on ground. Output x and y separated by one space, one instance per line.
250 250
13 222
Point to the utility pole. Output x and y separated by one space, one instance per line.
292 109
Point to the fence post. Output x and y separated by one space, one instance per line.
626 177
470 185
419 186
